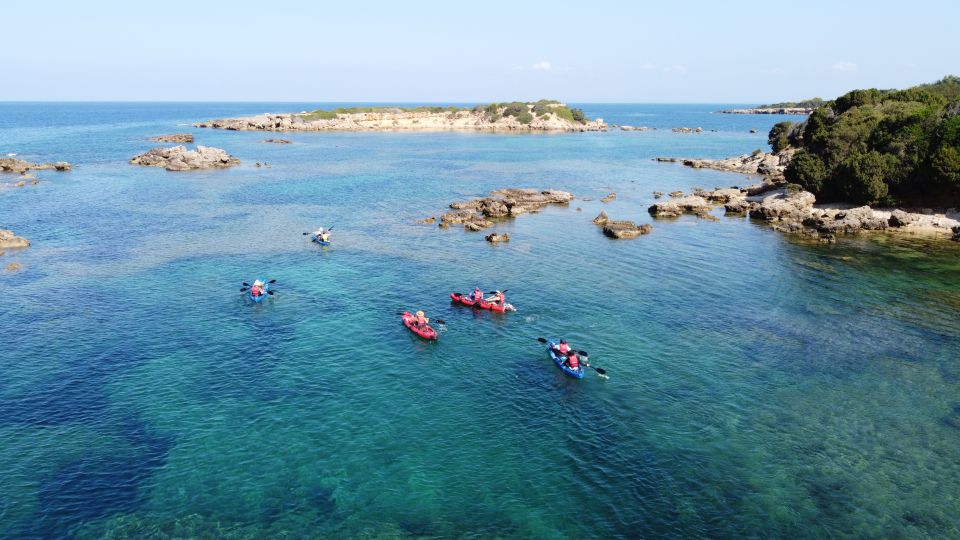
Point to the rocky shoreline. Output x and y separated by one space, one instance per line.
790 209
770 110
24 170
178 158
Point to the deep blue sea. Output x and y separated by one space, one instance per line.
759 386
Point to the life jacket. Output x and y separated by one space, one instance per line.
500 299
574 361
477 294
256 291
563 348
421 320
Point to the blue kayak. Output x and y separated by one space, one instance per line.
266 287
319 241
576 373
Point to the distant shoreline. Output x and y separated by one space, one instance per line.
804 111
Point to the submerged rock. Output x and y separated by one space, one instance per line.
278 141
178 158
175 138
12 267
625 229
497 237
10 240
609 198
426 221
19 166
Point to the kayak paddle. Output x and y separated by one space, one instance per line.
503 291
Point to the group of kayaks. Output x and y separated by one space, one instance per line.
261 290
425 331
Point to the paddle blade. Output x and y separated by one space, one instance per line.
601 371
245 284
270 293
243 289
583 353
440 321
272 281
541 340
306 233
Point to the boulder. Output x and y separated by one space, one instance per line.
899 218
10 240
456 218
62 166
845 221
497 237
737 206
178 158
609 198
956 233
665 209
781 204
707 216
625 229
601 218
175 138
723 196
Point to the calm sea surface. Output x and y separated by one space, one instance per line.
759 386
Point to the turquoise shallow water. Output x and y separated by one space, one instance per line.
759 386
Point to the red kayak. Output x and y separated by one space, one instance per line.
423 331
462 298
482 304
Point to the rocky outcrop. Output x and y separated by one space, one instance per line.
18 166
770 165
692 204
398 119
278 141
497 237
601 218
178 158
899 218
625 229
175 138
477 214
10 240
739 206
687 130
636 128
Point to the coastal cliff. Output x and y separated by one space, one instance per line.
544 115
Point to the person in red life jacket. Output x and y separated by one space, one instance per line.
573 361
498 298
562 349
477 294
257 288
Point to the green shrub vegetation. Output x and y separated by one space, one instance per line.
880 146
524 112
811 103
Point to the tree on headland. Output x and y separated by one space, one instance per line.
879 146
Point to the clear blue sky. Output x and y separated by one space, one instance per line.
599 51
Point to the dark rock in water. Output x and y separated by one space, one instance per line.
497 237
956 233
625 229
601 218
666 159
657 194
899 218
278 141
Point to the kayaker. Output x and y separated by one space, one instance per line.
420 320
562 349
498 298
322 234
477 294
257 288
573 361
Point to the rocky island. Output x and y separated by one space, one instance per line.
804 107
178 158
24 170
543 115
